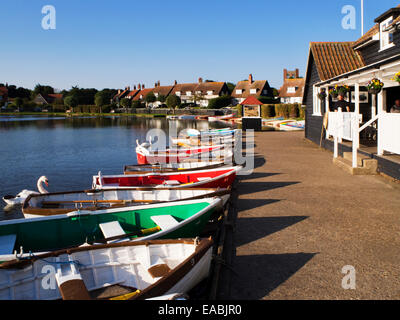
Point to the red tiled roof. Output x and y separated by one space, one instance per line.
163 90
142 94
251 101
56 95
367 36
297 83
335 58
132 93
245 86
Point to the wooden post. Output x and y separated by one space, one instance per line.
355 125
380 114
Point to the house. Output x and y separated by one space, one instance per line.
186 92
44 99
210 90
354 64
142 94
3 96
251 88
292 89
160 90
121 95
133 92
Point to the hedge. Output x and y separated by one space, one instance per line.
267 111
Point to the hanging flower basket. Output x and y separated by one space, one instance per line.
343 90
375 86
396 77
322 95
334 92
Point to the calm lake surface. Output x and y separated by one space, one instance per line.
69 151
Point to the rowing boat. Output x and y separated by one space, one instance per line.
51 204
218 118
173 167
119 271
292 126
170 220
214 178
147 156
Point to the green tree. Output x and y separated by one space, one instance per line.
231 86
18 102
126 103
136 104
71 101
173 101
101 99
150 98
220 102
162 98
43 90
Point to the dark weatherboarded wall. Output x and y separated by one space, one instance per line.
313 123
371 53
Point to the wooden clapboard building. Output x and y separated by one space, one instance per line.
354 64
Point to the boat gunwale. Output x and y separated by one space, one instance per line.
217 192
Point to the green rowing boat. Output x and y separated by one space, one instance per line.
173 220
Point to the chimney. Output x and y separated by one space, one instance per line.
128 88
139 86
142 86
175 82
250 78
155 84
158 83
134 87
200 80
119 91
284 74
297 73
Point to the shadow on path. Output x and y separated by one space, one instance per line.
247 204
264 273
252 229
253 187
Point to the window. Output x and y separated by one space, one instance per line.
265 92
385 35
291 90
188 93
239 91
210 93
316 102
253 91
178 93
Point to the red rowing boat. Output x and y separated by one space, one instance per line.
214 178
146 156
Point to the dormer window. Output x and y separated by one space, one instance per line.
291 90
239 91
188 93
253 91
210 93
386 36
178 93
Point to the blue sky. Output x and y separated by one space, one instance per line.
117 43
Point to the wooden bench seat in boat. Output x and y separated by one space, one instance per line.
112 229
7 244
165 222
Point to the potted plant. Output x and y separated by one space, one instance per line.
375 86
334 92
322 94
396 77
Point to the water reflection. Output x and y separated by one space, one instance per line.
69 151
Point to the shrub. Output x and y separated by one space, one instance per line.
101 98
282 110
293 110
107 108
71 101
239 108
267 111
302 111
220 102
136 104
268 100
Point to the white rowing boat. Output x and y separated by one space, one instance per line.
118 271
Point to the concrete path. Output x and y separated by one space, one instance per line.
302 219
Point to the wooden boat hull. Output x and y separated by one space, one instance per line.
173 167
52 204
214 178
145 270
145 156
74 229
227 117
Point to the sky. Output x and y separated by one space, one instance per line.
113 44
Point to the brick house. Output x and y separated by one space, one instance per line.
292 90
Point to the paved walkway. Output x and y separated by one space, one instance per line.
302 219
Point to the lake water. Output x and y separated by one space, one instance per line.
69 151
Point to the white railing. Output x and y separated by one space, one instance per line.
345 125
389 133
